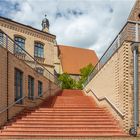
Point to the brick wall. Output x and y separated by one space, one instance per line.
49 88
31 36
115 81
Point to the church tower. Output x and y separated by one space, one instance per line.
45 24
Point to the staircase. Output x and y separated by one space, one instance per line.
70 114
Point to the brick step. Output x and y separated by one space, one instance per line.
66 123
59 111
71 95
74 98
73 104
82 98
66 120
66 110
71 114
42 131
63 126
69 99
70 109
69 106
65 135
65 117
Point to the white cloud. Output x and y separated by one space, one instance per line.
84 23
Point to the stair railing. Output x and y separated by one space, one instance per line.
8 43
109 102
11 105
40 96
129 32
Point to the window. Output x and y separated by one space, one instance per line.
18 85
1 38
21 42
39 88
39 50
30 87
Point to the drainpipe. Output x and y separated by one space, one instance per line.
133 130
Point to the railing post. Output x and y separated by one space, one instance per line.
136 32
118 43
98 66
35 65
6 42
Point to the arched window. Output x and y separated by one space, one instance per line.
20 42
39 50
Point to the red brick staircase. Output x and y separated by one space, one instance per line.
70 114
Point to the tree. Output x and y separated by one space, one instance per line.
84 72
66 81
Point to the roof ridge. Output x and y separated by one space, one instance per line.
76 47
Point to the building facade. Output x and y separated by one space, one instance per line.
39 44
73 59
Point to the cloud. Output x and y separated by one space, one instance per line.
89 24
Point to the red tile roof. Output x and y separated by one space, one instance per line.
73 58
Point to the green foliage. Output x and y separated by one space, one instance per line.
84 72
68 83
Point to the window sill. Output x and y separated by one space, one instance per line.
39 59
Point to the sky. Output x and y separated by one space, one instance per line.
89 24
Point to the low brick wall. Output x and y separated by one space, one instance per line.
115 81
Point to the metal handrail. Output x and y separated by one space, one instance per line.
11 105
28 54
38 97
109 102
117 38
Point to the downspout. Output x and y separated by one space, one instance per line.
7 78
133 130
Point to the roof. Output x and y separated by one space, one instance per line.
27 26
73 58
